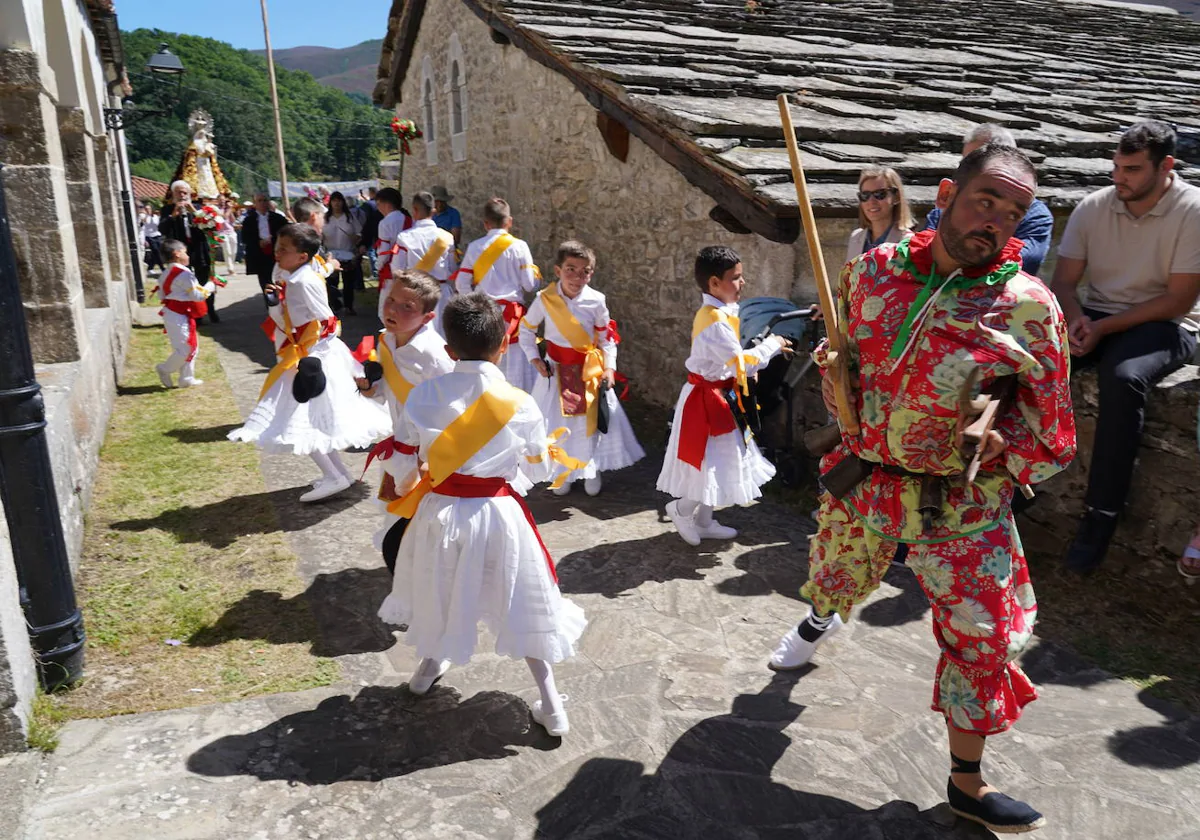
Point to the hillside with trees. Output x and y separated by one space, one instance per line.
327 134
351 69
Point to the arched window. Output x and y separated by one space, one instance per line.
429 111
456 87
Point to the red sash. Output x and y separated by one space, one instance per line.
385 271
705 415
472 487
513 313
191 308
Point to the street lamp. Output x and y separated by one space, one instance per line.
163 66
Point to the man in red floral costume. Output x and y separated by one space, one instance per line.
921 316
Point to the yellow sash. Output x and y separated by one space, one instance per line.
489 256
705 318
292 350
391 373
581 341
442 244
466 435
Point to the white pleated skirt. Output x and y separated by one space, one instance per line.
466 561
617 449
338 418
732 473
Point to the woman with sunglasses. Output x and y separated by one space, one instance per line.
883 214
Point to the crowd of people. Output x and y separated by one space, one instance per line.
485 381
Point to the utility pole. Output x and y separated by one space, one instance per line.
283 180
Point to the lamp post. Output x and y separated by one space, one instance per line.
163 67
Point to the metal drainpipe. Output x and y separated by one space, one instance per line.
39 548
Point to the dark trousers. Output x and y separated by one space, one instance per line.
349 278
1128 365
264 277
153 255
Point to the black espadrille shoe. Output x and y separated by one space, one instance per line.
997 812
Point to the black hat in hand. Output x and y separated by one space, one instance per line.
373 371
309 381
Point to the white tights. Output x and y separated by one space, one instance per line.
704 513
543 675
330 464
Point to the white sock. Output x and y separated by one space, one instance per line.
686 507
543 675
340 465
704 515
325 464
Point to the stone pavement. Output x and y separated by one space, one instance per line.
678 729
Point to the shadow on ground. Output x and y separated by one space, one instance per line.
617 568
210 434
343 605
380 734
219 524
715 781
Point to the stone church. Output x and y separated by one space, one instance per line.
650 129
64 172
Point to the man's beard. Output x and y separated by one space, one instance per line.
962 248
1137 193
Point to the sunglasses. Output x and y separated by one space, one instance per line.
878 195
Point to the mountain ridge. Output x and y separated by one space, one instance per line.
351 69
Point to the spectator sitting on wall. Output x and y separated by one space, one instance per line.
883 214
1036 228
1137 246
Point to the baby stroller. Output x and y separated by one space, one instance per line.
776 384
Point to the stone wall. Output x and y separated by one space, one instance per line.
1164 505
17 673
532 138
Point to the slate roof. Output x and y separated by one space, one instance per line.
871 81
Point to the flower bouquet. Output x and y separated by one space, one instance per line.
407 131
208 219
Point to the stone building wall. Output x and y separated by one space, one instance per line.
532 138
62 188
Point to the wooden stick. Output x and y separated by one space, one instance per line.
283 181
839 367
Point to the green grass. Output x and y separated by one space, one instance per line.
180 532
46 718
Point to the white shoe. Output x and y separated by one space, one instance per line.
164 377
716 531
794 652
555 723
561 491
426 675
189 383
686 525
326 487
591 486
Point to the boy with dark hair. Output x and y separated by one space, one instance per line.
427 248
472 551
395 221
309 404
502 266
710 461
575 386
408 352
183 302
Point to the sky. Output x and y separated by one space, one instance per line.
294 23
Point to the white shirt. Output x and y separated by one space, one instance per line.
716 348
150 226
590 310
511 277
390 228
416 242
518 451
341 235
180 283
423 358
264 226
305 298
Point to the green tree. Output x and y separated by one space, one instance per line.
156 169
327 134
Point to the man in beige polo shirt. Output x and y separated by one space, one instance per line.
1136 245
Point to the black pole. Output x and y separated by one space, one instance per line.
27 490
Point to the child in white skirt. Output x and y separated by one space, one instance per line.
408 352
710 462
471 551
581 349
310 404
183 302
